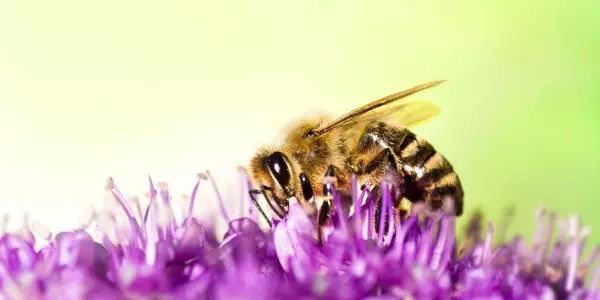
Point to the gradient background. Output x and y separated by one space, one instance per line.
90 89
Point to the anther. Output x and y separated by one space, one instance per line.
110 183
162 185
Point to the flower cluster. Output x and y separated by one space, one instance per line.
152 255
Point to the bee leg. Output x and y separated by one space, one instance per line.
329 186
323 213
306 186
385 166
336 178
321 220
259 192
328 205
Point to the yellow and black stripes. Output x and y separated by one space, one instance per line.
427 174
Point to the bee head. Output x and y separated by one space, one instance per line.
273 173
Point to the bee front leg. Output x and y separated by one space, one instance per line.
334 180
324 207
252 193
322 218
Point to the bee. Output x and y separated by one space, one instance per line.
372 142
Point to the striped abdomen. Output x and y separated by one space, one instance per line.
428 175
434 177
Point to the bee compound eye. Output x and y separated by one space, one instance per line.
279 168
307 189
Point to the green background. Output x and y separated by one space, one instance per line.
122 88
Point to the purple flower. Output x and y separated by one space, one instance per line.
149 254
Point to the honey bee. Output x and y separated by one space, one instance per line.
371 142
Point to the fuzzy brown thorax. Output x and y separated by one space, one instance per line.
315 154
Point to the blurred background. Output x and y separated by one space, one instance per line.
90 89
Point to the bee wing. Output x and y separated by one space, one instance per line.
416 113
409 114
381 107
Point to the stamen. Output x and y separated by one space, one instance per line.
440 243
573 254
357 217
540 229
382 212
151 196
151 235
135 200
583 236
547 237
409 250
133 224
4 226
105 222
591 257
110 185
184 206
357 202
449 246
507 218
391 219
401 235
25 231
200 177
41 230
556 255
219 198
164 192
86 218
338 208
245 187
594 283
371 212
425 245
165 220
487 245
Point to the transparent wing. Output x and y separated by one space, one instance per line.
412 112
409 114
